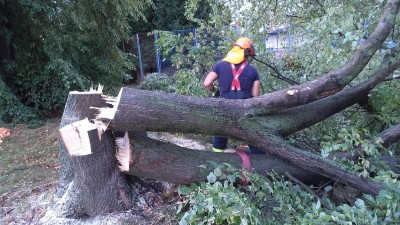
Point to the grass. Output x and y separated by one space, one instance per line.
29 163
28 167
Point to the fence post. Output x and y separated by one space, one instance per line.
140 58
157 54
289 39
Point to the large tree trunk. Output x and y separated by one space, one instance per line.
89 184
168 162
157 111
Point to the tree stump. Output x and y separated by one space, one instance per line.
95 185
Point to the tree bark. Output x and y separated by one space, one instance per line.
94 184
167 162
158 111
77 107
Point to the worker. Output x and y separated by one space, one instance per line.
237 79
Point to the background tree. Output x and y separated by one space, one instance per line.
61 46
168 16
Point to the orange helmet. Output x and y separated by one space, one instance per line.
246 44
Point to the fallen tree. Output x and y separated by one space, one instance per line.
168 162
262 121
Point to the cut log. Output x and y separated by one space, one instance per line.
168 162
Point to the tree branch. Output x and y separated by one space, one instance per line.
389 136
308 189
310 162
306 115
333 81
158 111
322 7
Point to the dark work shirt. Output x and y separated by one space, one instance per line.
225 76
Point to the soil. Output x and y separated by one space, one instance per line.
28 179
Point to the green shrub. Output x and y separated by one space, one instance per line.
188 84
274 200
11 109
218 201
386 102
158 82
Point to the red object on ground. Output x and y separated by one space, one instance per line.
246 164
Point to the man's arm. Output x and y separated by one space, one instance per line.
209 81
255 91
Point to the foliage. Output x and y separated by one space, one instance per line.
159 82
15 109
184 82
276 201
218 201
385 100
63 45
168 15
188 84
348 141
196 53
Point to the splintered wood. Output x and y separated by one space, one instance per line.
106 113
75 137
123 152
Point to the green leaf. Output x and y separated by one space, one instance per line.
359 203
184 190
217 172
211 178
318 205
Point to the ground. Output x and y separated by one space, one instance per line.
28 177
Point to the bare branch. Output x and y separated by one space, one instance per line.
308 189
322 7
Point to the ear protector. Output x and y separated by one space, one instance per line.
247 52
247 45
